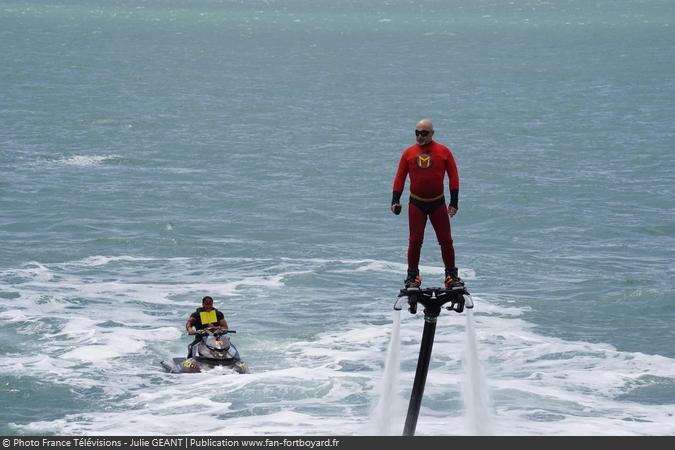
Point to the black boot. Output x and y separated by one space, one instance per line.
413 279
452 279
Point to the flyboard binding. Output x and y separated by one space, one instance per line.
435 298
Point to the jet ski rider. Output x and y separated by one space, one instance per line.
205 317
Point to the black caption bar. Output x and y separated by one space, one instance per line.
168 443
336 442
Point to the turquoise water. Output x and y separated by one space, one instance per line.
155 152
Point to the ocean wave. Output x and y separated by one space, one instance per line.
85 160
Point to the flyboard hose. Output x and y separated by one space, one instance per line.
433 300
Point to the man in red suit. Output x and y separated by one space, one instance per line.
427 162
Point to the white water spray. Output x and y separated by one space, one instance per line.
389 403
475 391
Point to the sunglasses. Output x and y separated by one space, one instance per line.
423 133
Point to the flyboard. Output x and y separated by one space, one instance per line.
434 300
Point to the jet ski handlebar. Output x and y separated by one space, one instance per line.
216 331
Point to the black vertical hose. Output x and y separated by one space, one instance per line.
420 376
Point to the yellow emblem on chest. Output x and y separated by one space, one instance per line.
424 161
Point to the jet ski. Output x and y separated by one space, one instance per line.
213 351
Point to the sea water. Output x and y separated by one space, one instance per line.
155 152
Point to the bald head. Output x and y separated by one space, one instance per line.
425 124
424 132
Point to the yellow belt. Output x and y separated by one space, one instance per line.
426 200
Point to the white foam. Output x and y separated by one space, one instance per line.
100 260
87 160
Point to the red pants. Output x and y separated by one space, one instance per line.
417 221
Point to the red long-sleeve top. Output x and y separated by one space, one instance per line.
427 165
